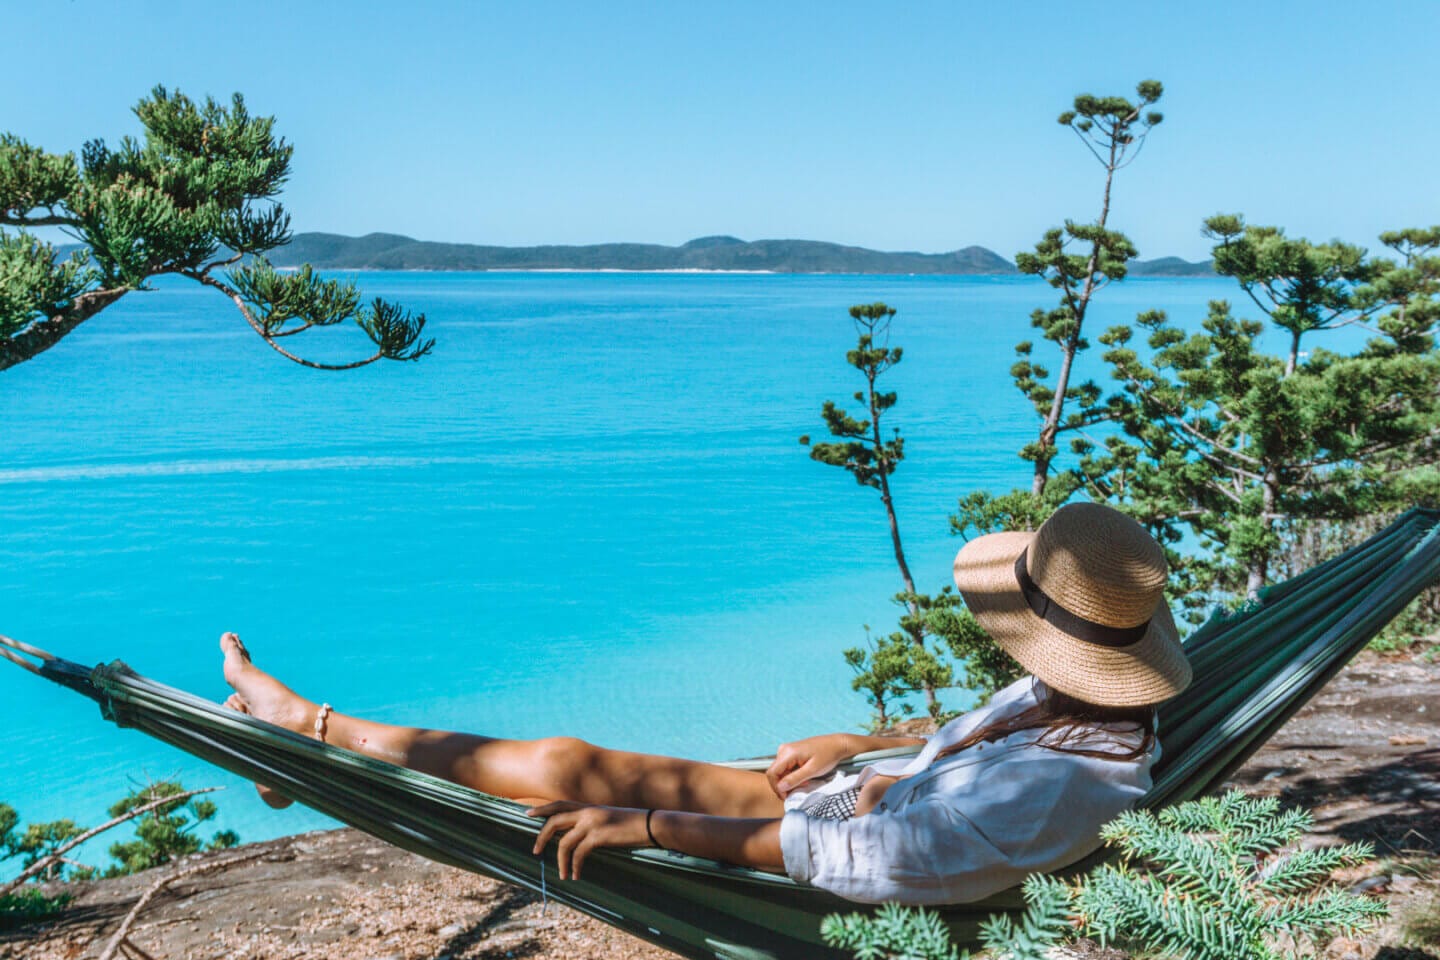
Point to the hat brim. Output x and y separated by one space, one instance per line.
1148 671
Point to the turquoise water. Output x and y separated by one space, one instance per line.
586 513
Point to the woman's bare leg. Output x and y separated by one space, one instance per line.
555 768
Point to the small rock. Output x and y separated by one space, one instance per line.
451 930
1376 884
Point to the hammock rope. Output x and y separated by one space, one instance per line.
1253 669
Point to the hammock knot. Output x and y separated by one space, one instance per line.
102 680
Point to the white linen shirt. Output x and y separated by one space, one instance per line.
977 822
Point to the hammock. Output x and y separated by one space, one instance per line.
1253 670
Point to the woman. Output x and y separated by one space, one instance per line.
1021 785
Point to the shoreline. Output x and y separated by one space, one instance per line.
1363 757
684 271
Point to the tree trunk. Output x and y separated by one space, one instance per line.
1294 354
931 702
884 472
1255 577
1259 569
1051 426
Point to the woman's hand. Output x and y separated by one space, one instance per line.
586 827
807 759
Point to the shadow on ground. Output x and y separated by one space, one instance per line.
497 932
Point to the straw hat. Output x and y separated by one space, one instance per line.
1081 604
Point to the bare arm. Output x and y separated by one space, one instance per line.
748 842
582 828
803 760
865 743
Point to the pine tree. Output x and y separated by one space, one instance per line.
196 195
902 662
1078 260
862 448
166 833
164 816
1240 446
882 672
37 842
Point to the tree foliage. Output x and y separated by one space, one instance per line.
1238 446
861 447
196 194
1226 452
166 833
1078 260
1222 878
29 905
901 662
162 834
905 661
36 842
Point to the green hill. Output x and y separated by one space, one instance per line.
1171 267
382 251
391 251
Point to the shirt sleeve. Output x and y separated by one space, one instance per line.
955 838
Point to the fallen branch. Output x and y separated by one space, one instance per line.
58 856
113 946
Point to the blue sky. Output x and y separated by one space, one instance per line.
925 126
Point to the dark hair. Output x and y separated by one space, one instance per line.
1071 725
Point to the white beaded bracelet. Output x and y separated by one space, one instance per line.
320 716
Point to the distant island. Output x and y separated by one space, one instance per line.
389 251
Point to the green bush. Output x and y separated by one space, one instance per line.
36 842
29 905
1214 879
166 833
163 834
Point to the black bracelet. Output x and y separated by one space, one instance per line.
650 833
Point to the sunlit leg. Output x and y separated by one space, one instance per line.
554 768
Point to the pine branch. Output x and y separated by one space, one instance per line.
44 334
40 866
1046 922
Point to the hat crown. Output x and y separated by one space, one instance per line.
1099 564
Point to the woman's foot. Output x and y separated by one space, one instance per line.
262 696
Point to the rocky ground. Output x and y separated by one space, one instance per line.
1364 757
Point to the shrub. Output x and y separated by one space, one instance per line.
166 833
1214 879
29 905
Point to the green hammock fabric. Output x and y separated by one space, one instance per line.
1252 670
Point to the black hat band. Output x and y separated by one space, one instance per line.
1068 623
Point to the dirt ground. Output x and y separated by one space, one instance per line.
1364 757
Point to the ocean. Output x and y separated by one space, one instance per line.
587 513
